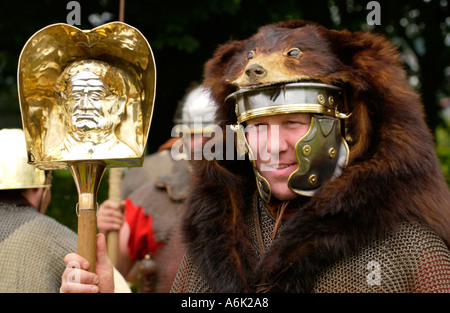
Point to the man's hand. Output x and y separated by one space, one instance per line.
76 278
110 216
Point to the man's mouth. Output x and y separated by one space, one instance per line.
92 116
279 168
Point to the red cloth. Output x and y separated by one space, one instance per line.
142 238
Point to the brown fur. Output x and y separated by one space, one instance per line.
392 174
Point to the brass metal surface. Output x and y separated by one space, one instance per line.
86 95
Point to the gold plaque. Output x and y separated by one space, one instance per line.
86 95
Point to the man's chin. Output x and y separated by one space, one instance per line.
283 193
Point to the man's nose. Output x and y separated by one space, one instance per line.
85 102
276 142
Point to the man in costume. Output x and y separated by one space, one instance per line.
349 196
355 201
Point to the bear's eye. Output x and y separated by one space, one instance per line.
250 55
294 52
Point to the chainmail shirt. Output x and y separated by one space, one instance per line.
412 259
32 250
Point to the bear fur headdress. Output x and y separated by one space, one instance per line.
392 174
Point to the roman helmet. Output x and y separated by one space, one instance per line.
15 173
194 115
321 153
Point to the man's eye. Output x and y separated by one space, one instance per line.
295 123
257 128
96 97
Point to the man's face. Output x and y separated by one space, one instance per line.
90 103
272 140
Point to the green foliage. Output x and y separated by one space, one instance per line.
443 154
443 149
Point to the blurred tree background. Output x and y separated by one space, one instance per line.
184 34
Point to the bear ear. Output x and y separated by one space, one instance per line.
217 70
217 67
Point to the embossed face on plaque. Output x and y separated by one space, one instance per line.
86 95
92 102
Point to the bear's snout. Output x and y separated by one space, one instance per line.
255 72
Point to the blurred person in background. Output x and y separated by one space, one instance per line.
147 220
32 245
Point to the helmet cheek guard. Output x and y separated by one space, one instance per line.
321 153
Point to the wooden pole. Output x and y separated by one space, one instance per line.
115 180
87 231
122 11
87 177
